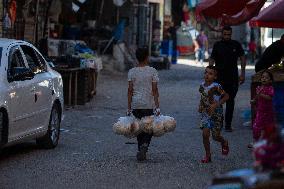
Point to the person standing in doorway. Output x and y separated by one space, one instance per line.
202 44
225 55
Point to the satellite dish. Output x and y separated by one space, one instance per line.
119 2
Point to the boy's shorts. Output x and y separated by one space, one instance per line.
213 122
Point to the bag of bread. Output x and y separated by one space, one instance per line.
127 126
147 124
158 127
169 123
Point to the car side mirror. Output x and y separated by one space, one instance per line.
21 74
51 64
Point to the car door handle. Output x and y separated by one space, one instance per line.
36 97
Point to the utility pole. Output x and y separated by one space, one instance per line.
36 24
142 26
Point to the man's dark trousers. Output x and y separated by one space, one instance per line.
232 90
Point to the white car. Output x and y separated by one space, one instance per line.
31 96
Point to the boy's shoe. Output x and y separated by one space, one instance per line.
141 155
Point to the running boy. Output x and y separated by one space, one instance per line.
211 111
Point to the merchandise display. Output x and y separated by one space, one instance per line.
79 66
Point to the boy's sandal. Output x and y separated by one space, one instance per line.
225 148
206 159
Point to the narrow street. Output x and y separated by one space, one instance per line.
90 155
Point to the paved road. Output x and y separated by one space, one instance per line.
91 156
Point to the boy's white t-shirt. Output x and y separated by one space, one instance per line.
142 78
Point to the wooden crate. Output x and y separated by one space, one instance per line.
79 85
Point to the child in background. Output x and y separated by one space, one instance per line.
211 111
264 120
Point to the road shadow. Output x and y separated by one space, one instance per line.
18 149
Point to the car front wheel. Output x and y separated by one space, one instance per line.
50 140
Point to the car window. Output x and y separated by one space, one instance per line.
15 60
41 59
33 60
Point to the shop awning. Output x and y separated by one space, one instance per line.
229 12
216 8
271 17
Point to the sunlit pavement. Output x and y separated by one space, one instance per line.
193 63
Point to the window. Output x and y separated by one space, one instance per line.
33 61
15 61
41 59
276 33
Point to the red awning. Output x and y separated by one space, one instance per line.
271 17
216 8
250 10
229 12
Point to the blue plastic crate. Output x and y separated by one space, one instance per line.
167 47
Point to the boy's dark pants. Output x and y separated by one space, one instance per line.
232 90
143 138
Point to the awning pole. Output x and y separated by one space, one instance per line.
272 34
272 29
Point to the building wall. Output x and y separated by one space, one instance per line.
240 33
168 7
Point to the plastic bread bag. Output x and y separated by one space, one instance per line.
147 124
158 127
169 123
127 126
134 129
120 127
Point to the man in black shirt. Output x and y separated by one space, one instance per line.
225 55
271 55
